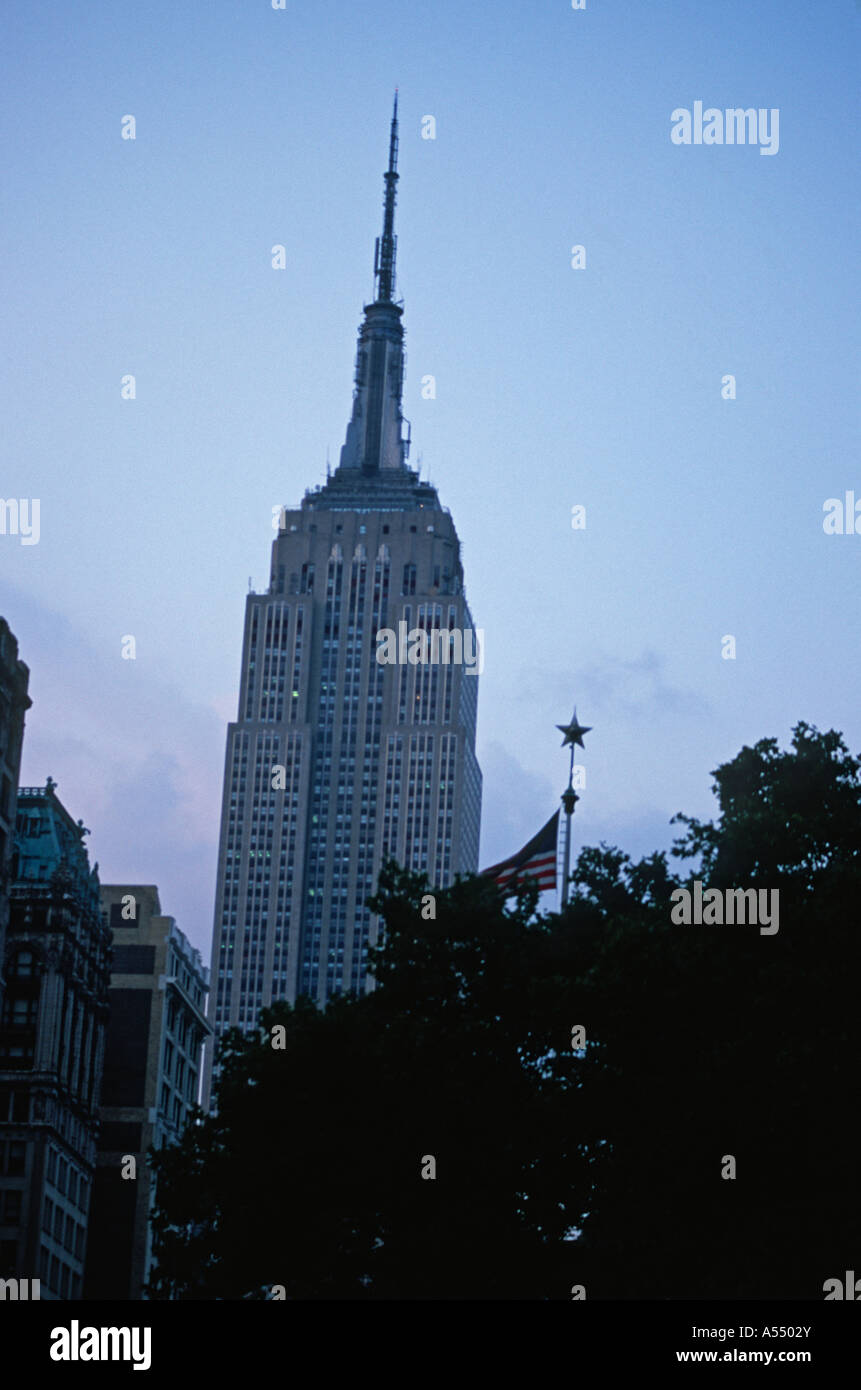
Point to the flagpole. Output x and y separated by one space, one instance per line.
569 801
573 736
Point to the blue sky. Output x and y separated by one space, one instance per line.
554 387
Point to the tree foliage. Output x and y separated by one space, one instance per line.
703 1042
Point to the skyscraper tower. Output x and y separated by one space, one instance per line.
338 760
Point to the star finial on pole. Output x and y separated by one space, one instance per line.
573 738
574 732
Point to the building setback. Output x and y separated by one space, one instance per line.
155 1041
337 761
52 1036
14 703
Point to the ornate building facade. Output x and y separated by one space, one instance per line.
52 1039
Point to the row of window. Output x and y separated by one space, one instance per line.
65 1230
58 1277
61 1174
68 1181
173 1113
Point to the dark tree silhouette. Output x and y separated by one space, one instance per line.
702 1042
720 1041
310 1175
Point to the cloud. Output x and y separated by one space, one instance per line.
515 803
138 762
639 833
637 686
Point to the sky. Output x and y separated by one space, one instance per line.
601 386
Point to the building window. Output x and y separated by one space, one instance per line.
116 919
22 965
22 1013
10 1207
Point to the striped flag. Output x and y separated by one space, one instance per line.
536 860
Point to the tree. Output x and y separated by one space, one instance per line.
720 1041
310 1175
701 1043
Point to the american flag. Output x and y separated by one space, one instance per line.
536 860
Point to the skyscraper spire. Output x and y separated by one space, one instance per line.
374 762
384 256
375 440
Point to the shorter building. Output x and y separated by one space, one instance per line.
52 1037
152 1079
14 703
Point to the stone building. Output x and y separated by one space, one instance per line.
14 703
52 1037
153 1058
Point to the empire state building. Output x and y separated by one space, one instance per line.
339 760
